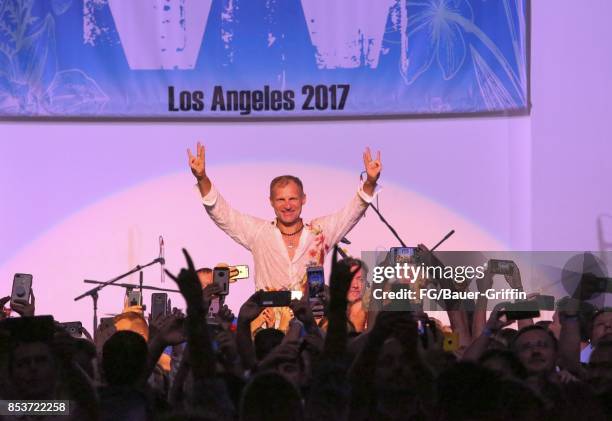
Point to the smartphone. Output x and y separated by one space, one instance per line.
403 254
221 277
75 329
451 342
215 306
501 267
596 284
22 287
316 281
275 298
545 302
521 310
239 272
134 298
159 304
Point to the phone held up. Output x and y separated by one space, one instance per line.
22 287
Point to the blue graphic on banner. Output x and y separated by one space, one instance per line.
273 58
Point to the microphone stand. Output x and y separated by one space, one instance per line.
93 293
132 286
446 237
140 279
382 218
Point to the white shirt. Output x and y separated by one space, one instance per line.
273 268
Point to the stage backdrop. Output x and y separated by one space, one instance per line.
273 58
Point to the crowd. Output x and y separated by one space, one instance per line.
344 363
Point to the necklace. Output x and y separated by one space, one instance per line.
291 245
293 233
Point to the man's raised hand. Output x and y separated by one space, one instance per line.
197 162
372 166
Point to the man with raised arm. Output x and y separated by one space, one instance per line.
283 248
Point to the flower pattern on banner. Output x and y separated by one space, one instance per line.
440 29
30 82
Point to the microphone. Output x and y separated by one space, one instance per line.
161 258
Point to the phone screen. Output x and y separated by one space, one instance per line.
316 281
239 272
403 254
215 305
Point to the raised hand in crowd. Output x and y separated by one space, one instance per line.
268 316
514 280
249 311
168 329
302 311
495 323
479 316
225 317
285 318
3 310
431 338
189 286
339 284
24 308
207 391
209 292
319 306
197 333
164 330
265 320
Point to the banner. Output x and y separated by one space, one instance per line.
262 58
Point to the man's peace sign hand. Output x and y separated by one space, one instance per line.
372 166
197 162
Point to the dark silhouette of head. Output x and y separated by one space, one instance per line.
265 341
124 358
270 397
